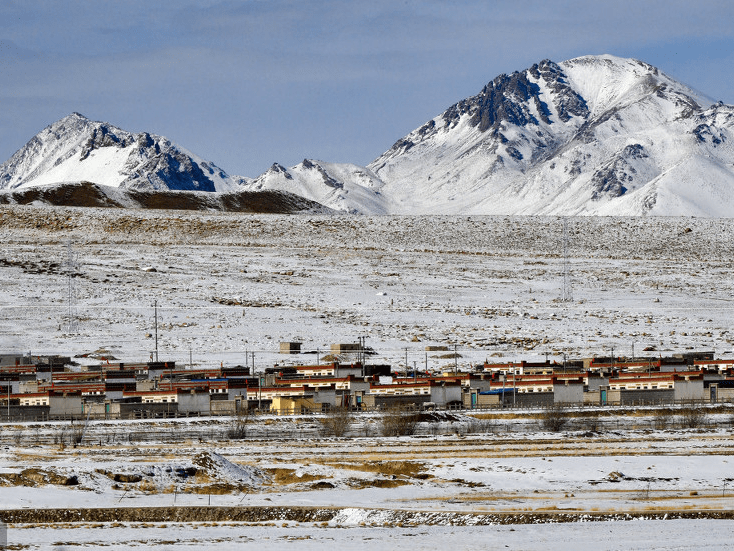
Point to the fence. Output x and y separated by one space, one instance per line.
583 420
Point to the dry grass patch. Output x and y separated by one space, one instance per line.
359 484
219 488
289 476
393 468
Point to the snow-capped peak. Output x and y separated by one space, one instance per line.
78 149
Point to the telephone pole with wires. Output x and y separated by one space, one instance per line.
567 294
71 267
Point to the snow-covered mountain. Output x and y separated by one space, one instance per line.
343 187
78 149
592 135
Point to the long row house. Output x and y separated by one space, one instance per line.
51 387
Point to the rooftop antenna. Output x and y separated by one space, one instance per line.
71 266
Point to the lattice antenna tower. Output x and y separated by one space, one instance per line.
71 267
567 295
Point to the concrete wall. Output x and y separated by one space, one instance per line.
193 402
483 400
568 393
596 382
641 397
139 410
325 396
392 401
531 399
442 395
25 413
65 406
689 390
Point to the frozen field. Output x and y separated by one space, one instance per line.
229 284
623 489
226 284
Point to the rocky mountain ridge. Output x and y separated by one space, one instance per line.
595 135
76 148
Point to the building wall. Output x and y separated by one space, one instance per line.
65 406
442 395
25 413
632 397
568 394
393 401
689 390
193 402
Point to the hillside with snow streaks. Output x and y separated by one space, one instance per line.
342 187
593 135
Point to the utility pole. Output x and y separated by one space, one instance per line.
456 362
72 267
612 358
567 295
155 314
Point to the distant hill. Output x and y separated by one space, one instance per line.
87 194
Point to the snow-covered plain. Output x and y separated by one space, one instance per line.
228 284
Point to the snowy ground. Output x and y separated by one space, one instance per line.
407 492
229 284
633 535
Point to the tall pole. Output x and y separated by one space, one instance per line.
155 313
612 358
567 295
456 362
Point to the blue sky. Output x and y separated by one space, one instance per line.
248 83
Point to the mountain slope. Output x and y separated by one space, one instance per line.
342 187
592 135
76 148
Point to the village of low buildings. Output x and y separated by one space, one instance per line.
54 387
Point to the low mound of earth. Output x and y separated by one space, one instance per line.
88 194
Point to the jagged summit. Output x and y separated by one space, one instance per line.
592 135
76 148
